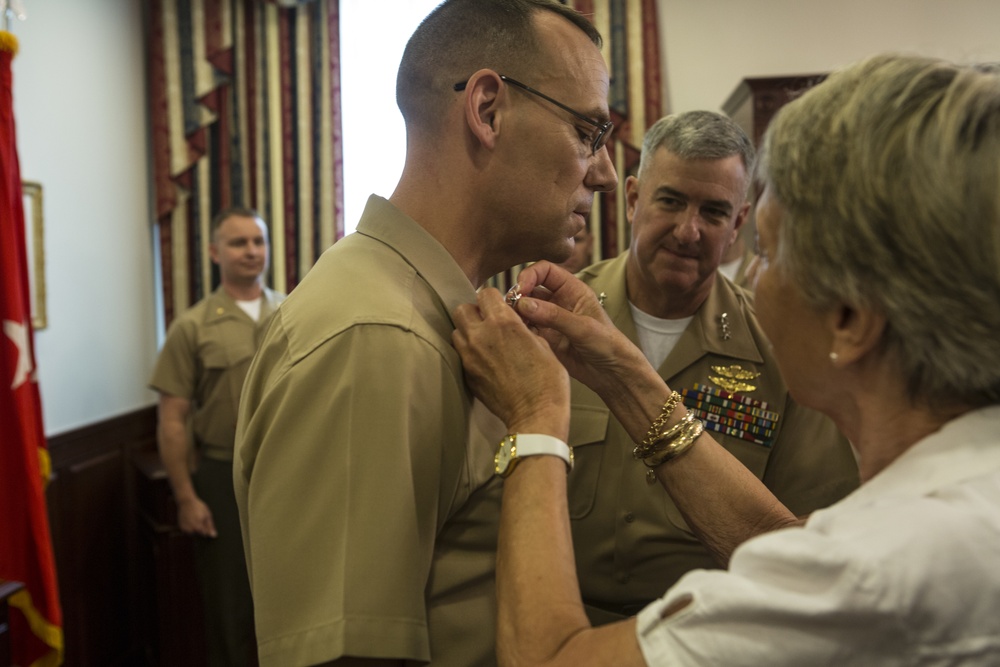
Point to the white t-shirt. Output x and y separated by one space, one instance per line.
904 571
657 336
251 308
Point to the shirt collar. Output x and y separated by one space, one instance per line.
707 325
965 447
386 223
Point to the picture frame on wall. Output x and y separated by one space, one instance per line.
34 236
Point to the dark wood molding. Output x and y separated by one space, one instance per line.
80 444
110 569
756 99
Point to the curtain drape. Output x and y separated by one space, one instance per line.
244 100
632 51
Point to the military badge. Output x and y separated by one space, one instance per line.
734 378
731 413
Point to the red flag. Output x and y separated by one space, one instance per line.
25 545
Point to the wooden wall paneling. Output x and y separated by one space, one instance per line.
173 623
91 501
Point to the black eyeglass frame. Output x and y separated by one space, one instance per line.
603 129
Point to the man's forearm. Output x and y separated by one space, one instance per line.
172 440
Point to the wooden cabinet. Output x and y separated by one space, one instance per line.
756 99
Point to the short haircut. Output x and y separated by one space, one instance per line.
460 37
889 176
229 212
699 135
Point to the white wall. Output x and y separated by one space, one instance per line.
79 104
710 46
374 134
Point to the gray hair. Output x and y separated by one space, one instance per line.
889 174
698 135
461 36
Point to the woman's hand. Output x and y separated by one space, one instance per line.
568 315
510 368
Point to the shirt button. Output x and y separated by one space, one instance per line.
629 518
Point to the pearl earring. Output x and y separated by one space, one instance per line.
833 357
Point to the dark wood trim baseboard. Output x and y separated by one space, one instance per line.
68 447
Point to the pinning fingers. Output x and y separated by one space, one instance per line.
491 302
466 314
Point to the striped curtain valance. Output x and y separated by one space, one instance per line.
244 100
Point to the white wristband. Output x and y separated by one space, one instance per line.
520 445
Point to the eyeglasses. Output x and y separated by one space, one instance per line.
597 140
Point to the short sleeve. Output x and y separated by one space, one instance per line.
342 459
176 365
790 598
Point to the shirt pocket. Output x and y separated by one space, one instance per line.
587 433
225 368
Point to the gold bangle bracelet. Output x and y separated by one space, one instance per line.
663 439
679 446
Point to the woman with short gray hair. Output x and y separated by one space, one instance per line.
879 288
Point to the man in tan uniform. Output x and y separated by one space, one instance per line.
364 469
699 330
198 374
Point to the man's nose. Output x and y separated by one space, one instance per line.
688 229
602 176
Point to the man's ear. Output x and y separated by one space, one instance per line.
213 252
483 100
856 332
631 195
741 217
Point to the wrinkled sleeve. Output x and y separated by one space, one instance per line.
175 368
791 598
339 478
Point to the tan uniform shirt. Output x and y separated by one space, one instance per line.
205 359
364 468
630 540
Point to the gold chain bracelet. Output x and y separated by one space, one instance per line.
653 434
663 439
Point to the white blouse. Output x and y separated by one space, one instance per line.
904 571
